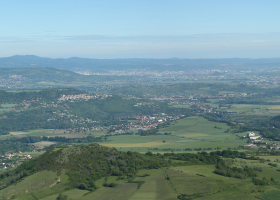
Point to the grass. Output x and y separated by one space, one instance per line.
52 188
186 180
6 107
43 144
73 194
37 132
138 139
190 180
271 158
203 133
35 182
146 144
195 125
55 132
196 179
273 195
255 109
275 107
154 188
191 132
122 192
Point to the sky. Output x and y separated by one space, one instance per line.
140 28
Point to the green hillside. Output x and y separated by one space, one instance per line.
102 173
43 109
48 77
81 167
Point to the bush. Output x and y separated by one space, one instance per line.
82 186
272 164
62 197
110 184
149 153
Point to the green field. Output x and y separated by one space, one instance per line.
255 109
55 132
6 107
197 181
273 195
190 132
35 182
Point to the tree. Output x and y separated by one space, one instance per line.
62 197
149 153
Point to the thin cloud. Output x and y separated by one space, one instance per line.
259 41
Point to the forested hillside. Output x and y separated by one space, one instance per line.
45 109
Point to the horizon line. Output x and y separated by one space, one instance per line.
141 58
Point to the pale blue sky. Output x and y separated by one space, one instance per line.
140 28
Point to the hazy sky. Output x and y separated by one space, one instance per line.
140 28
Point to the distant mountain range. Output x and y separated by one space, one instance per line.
104 65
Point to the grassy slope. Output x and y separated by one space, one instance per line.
35 182
155 187
183 179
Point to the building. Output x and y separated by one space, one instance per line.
254 137
250 134
259 142
250 145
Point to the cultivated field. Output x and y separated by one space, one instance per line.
55 132
191 132
43 144
256 109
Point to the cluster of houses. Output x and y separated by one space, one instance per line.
83 97
143 122
275 146
7 162
256 139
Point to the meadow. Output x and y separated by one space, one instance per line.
254 109
190 132
55 132
7 107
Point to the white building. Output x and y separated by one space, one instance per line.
250 134
254 137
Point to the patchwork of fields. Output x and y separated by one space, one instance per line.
196 181
191 132
256 109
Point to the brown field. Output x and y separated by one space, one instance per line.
71 135
194 135
147 144
43 144
57 131
18 133
275 107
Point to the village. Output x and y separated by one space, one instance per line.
256 141
11 160
142 122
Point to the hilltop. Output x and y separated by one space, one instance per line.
50 77
98 172
103 65
81 166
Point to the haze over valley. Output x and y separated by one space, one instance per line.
132 100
